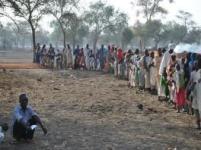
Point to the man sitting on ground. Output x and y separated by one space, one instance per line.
25 120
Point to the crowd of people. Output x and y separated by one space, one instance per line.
79 58
175 78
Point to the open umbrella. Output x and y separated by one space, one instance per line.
190 48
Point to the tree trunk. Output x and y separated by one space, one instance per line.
122 44
64 36
95 43
33 39
141 45
74 43
63 31
156 43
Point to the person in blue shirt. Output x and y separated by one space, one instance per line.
76 53
24 119
101 54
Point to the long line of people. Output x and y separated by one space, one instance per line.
175 78
78 58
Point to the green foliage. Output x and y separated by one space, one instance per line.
103 18
193 36
174 32
64 13
127 36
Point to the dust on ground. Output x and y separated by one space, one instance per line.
93 111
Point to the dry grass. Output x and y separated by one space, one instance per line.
93 111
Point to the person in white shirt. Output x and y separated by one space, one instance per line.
146 64
87 57
165 60
197 98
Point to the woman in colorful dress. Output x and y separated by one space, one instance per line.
69 57
180 88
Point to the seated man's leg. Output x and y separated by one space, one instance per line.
19 131
30 133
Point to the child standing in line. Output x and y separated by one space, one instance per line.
180 88
164 85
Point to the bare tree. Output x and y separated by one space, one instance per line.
186 22
186 18
1 4
151 8
63 11
31 11
3 13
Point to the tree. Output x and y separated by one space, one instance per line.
127 36
6 38
31 11
174 32
1 3
77 31
140 31
193 36
101 17
154 30
186 19
56 37
114 33
73 25
63 11
151 8
3 13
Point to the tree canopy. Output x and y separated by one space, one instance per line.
100 23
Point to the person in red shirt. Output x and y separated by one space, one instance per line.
120 56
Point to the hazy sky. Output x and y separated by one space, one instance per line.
192 6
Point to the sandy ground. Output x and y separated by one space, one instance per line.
93 111
16 56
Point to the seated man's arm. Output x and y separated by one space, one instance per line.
40 123
38 120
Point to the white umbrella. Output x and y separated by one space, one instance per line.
183 48
196 49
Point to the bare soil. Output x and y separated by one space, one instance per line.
93 111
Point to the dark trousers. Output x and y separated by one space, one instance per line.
20 132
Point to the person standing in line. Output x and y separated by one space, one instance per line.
153 73
76 53
69 57
87 56
64 58
120 57
146 63
163 66
180 88
115 63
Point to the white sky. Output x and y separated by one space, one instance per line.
192 6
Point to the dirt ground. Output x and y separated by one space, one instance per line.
93 111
